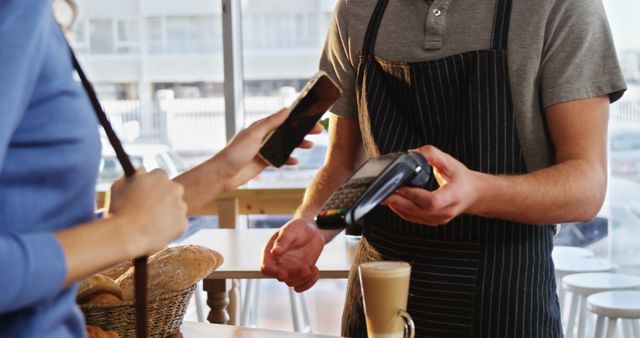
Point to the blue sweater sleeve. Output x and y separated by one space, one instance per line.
23 30
32 265
33 269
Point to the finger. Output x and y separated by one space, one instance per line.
317 129
421 198
159 173
438 200
311 275
291 161
268 265
398 202
270 122
306 286
273 271
420 219
300 277
438 159
282 243
435 216
305 144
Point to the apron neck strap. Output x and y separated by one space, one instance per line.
501 20
372 28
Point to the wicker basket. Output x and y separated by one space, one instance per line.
165 314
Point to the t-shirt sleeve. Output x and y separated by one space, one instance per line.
336 62
579 58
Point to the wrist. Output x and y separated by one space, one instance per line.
484 187
309 217
126 237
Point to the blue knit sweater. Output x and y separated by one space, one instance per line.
49 156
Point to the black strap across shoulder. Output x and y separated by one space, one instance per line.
140 263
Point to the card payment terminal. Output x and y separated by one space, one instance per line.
371 184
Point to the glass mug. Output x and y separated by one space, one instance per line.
385 289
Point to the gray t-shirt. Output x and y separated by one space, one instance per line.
558 51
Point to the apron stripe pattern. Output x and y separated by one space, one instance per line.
475 276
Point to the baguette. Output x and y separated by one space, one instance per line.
117 270
97 284
173 269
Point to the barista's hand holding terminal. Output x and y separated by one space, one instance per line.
510 108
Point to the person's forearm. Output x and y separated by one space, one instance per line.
326 181
570 191
92 247
202 183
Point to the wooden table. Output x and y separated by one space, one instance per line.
203 330
242 249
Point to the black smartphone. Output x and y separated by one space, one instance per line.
315 98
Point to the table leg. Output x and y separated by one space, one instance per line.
222 298
234 302
217 299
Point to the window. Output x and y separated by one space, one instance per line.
184 34
128 41
101 36
156 38
80 37
158 73
292 31
282 46
622 205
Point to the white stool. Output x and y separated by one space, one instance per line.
583 285
250 305
614 305
561 251
569 265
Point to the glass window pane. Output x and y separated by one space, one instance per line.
163 92
178 34
282 46
155 35
127 31
101 33
622 203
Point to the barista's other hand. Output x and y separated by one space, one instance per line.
240 156
456 195
292 252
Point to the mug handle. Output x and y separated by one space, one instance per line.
409 326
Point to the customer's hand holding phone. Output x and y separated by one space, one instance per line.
240 157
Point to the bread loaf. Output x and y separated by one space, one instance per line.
104 298
95 285
117 270
96 332
173 269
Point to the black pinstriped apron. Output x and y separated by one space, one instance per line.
475 276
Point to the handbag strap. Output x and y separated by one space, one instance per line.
140 263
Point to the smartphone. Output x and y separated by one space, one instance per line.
315 98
